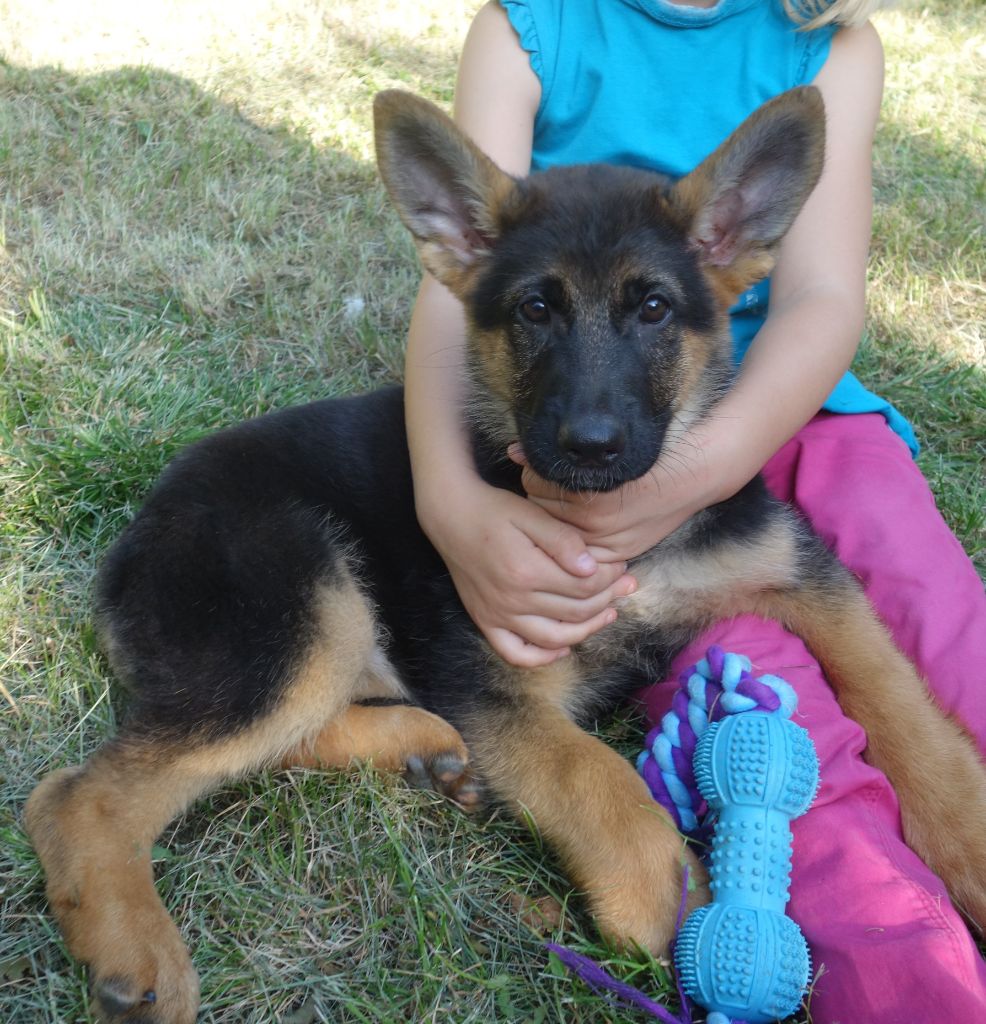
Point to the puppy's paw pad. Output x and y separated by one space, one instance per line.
446 773
162 992
120 999
468 794
447 768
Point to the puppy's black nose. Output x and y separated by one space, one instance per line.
593 440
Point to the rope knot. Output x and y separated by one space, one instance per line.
720 684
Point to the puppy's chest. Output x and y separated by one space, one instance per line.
680 590
676 587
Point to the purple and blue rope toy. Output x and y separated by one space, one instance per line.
735 780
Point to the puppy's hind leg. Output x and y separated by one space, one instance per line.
928 757
93 827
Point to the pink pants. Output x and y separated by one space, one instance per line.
887 945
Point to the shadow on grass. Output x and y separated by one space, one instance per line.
174 267
177 266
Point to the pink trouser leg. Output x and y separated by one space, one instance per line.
857 484
887 945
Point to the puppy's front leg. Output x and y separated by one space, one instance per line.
616 843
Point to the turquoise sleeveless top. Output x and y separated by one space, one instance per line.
650 84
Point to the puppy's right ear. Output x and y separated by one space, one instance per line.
739 202
446 190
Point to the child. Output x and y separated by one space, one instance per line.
659 84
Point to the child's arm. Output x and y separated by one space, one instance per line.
527 579
806 344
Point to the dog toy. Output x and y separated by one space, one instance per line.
740 956
733 780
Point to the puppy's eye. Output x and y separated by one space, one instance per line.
655 309
535 309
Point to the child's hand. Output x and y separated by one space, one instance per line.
622 524
528 581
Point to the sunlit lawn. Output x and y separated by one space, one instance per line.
192 233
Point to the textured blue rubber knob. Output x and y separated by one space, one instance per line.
740 955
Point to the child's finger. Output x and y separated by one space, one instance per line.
551 634
526 584
516 454
595 514
573 610
560 542
516 651
606 555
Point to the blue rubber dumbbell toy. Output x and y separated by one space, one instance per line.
740 956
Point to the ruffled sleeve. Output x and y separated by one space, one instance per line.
533 21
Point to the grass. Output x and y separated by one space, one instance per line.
192 232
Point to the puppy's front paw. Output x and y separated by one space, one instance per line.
122 998
446 773
644 907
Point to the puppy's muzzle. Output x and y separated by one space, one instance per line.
592 441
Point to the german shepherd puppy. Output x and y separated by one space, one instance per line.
276 585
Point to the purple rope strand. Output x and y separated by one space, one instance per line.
716 657
602 982
766 698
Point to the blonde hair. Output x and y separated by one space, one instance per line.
815 13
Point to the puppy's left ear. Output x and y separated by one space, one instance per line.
445 189
739 202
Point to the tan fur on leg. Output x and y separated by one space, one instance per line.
93 827
930 760
617 844
386 735
397 738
